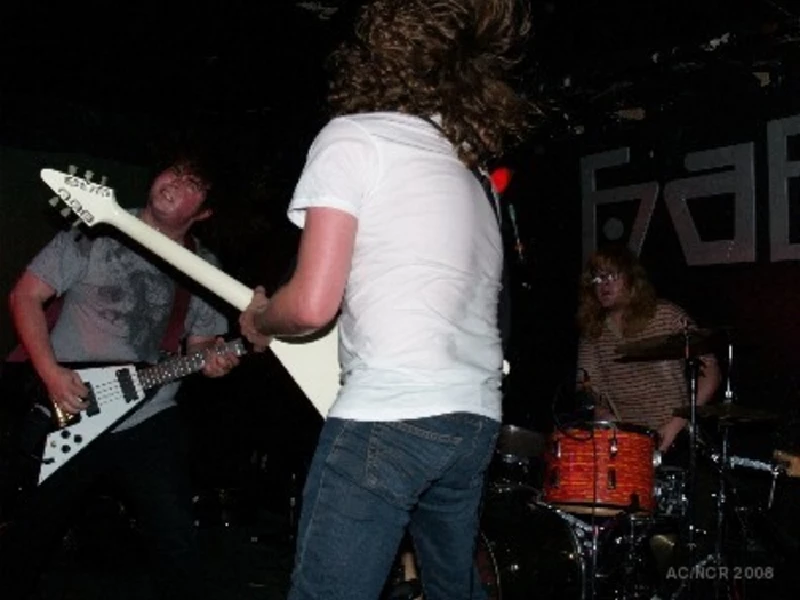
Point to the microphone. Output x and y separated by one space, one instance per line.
501 179
518 246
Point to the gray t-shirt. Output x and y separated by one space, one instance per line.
116 308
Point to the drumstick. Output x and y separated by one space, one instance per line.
586 386
612 407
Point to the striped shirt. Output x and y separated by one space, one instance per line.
643 393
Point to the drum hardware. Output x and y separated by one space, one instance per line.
670 492
601 468
535 550
749 463
729 413
693 369
548 552
517 457
689 343
773 469
624 552
518 441
625 569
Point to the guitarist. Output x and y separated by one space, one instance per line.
399 232
117 305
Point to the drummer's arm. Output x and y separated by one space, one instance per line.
708 380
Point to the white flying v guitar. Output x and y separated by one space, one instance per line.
312 362
114 391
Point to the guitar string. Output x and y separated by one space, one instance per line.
110 391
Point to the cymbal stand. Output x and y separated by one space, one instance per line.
722 493
693 369
716 558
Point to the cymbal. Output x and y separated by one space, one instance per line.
674 346
727 412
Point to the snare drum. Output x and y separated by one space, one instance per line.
601 468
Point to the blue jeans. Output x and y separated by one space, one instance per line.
368 481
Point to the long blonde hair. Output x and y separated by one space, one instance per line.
641 305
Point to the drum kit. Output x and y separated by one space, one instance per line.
590 511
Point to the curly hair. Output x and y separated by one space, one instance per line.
641 306
452 58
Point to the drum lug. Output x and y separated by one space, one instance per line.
554 479
612 479
557 449
613 447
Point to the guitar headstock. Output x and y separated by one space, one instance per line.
91 202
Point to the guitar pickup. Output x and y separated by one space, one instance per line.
93 408
127 385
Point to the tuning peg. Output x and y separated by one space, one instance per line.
54 201
89 175
103 180
73 170
65 212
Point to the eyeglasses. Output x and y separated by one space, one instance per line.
605 278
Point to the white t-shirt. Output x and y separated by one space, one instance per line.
418 333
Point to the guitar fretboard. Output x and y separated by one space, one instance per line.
175 368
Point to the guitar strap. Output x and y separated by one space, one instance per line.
170 343
504 299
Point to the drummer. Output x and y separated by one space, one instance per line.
618 305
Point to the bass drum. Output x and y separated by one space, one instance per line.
535 551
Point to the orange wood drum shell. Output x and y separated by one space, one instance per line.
618 460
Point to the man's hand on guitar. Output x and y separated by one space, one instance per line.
249 318
66 390
219 363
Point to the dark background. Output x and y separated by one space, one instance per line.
82 85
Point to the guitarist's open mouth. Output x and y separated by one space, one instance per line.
166 198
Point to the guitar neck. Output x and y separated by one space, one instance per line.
312 362
207 275
175 368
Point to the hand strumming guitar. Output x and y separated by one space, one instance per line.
65 389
